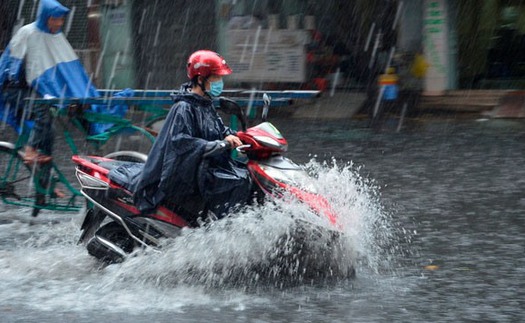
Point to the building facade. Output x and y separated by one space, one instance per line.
144 44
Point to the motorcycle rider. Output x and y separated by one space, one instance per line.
186 163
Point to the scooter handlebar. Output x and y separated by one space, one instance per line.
215 147
242 147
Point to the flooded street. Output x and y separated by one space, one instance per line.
430 213
435 216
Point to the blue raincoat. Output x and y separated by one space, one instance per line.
176 170
47 63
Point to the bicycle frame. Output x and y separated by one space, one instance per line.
44 178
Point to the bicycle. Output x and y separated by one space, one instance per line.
35 186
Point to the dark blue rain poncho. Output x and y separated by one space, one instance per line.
176 170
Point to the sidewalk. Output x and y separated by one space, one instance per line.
511 105
342 105
479 103
463 101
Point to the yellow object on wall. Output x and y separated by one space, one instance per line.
419 66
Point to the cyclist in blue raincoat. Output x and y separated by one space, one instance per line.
39 61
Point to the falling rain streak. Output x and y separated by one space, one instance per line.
70 19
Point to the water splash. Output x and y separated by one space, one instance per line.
368 226
260 247
267 246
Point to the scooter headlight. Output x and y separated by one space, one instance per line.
269 142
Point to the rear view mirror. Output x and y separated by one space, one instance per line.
231 107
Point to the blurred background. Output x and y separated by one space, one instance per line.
469 43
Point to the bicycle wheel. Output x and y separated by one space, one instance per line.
8 133
156 124
127 139
131 156
16 178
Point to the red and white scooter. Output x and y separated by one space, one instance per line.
113 227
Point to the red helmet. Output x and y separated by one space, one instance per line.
205 63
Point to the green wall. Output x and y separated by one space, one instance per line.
118 66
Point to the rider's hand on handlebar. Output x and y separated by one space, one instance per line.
234 141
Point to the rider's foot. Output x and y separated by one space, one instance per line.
32 156
58 193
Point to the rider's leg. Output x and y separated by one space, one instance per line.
229 201
40 144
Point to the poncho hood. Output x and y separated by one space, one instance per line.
193 99
48 9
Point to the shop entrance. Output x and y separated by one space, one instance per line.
491 37
324 41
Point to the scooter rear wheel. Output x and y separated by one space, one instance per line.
111 244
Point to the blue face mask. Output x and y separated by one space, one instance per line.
216 88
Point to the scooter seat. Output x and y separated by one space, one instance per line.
126 174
